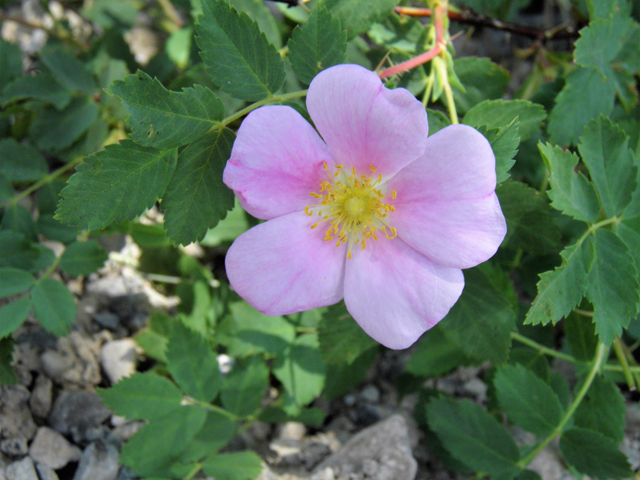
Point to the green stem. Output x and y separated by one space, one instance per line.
618 348
213 408
595 367
541 348
596 226
192 473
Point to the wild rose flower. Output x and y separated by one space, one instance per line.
377 213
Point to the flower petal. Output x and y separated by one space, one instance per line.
283 266
446 207
276 161
364 123
396 294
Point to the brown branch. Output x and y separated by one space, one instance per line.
469 17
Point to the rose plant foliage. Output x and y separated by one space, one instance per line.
365 187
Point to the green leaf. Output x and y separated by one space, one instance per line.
501 113
164 119
233 466
437 121
14 281
69 71
157 444
581 334
13 314
584 96
602 409
216 432
196 199
435 355
178 46
142 396
593 454
301 369
473 436
53 306
504 143
115 184
629 233
237 55
560 290
570 192
482 80
318 44
20 253
341 338
604 148
193 364
55 130
19 219
21 163
83 258
10 62
231 227
530 225
260 13
358 15
481 312
42 87
244 387
7 375
54 230
528 400
612 285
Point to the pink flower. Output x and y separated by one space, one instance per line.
377 213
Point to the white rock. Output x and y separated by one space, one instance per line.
41 396
45 472
52 449
99 461
118 359
22 470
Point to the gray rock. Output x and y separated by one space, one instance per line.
21 470
16 423
74 361
99 461
76 413
118 359
41 396
370 394
107 320
46 473
384 447
52 449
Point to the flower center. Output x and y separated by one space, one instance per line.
354 206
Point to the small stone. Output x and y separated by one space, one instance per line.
41 396
45 472
76 413
127 430
293 431
99 461
118 359
21 470
370 394
225 363
16 423
107 320
74 361
325 474
52 449
370 467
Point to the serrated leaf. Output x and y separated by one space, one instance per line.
164 119
318 44
604 149
237 55
341 338
69 71
54 130
42 87
19 219
83 258
10 62
13 314
581 335
530 225
482 80
629 233
593 454
602 409
115 184
301 369
473 436
528 400
612 285
244 387
481 312
560 290
21 163
14 281
583 97
233 466
196 199
193 364
570 192
142 396
435 355
504 143
260 13
217 431
53 306
20 253
52 229
501 113
358 15
157 444
7 375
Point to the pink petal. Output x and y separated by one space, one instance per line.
283 266
446 207
276 161
396 294
364 123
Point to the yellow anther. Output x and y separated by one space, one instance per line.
393 194
372 168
